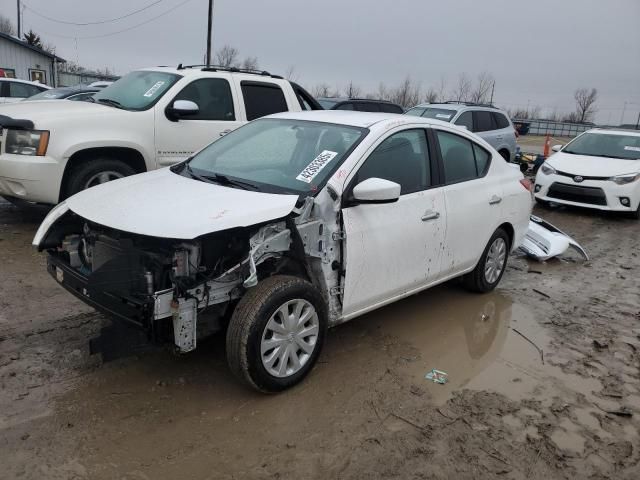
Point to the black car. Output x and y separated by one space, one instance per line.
80 92
360 105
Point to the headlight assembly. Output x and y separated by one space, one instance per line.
547 169
27 142
624 179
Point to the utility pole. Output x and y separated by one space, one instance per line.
19 30
209 22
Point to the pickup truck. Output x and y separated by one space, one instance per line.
149 119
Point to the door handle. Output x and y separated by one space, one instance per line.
224 132
430 216
495 200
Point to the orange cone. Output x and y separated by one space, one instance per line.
547 147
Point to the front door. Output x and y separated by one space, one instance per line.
217 115
393 248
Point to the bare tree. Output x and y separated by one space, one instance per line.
585 104
6 26
407 94
291 74
227 56
573 117
481 93
431 95
462 88
442 89
250 63
352 91
322 90
383 92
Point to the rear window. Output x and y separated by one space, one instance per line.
390 108
484 121
367 107
262 99
501 120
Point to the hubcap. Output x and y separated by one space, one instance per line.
495 260
102 177
289 338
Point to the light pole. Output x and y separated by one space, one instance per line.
19 29
209 22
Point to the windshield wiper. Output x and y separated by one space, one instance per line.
221 179
110 101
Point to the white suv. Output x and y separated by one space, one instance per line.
148 119
488 122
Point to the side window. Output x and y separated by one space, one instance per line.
501 120
402 158
213 97
482 159
262 99
484 121
465 120
20 90
457 157
345 106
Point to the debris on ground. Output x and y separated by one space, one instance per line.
437 376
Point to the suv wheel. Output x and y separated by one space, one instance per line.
95 172
276 333
489 270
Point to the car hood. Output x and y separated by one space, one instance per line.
588 166
43 111
167 205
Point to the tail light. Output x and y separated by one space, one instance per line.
526 183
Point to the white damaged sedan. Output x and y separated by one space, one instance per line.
287 226
599 169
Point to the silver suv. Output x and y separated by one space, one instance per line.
488 122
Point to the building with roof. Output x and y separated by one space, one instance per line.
20 60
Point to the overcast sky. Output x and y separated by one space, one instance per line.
539 51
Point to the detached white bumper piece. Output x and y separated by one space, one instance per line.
544 241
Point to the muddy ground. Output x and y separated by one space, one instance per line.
535 371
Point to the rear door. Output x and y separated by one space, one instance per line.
262 98
393 248
473 198
219 113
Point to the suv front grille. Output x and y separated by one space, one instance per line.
574 193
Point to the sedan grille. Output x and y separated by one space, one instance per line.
574 193
573 175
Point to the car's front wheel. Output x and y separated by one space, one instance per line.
95 172
276 333
491 266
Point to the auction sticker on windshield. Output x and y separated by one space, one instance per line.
316 166
632 149
443 116
154 89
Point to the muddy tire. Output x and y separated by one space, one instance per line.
276 333
493 262
95 172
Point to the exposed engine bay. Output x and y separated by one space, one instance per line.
180 290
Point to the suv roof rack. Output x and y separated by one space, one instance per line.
218 68
470 104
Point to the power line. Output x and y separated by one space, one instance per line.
91 23
119 31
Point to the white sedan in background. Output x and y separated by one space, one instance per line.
598 169
286 226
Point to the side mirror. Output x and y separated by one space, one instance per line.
376 190
181 108
557 148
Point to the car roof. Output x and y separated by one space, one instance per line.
189 70
615 131
358 119
458 106
18 80
355 99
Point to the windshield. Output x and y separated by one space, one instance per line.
428 112
415 111
626 147
277 155
326 103
137 90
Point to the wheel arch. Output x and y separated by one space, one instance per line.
128 155
510 231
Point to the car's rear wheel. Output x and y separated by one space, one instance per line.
492 264
276 333
96 172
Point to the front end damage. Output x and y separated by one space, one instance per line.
180 290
